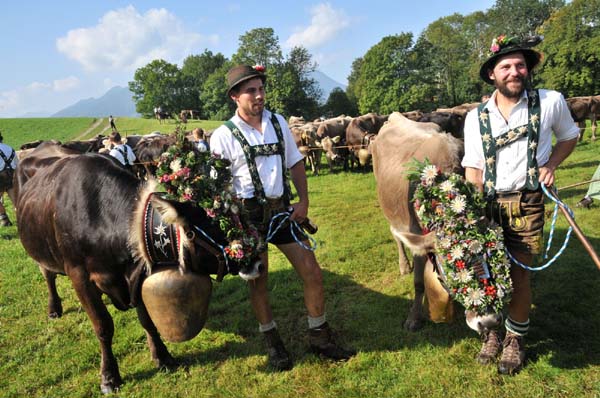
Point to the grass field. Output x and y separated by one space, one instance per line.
367 303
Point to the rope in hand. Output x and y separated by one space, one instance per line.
279 219
557 202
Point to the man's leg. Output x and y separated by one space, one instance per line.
4 220
279 358
517 322
321 337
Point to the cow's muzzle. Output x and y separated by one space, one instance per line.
252 272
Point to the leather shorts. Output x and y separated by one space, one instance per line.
260 217
521 216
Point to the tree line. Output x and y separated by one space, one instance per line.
438 69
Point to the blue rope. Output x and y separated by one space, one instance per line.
222 248
557 202
280 219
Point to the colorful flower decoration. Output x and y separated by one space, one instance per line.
500 42
259 68
205 180
470 249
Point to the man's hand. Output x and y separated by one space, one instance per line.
546 176
299 211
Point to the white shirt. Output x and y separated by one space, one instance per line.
511 160
7 150
119 156
222 142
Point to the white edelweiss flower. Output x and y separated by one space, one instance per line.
188 191
457 252
175 165
464 276
421 212
475 247
235 209
447 186
500 245
429 172
216 204
499 292
445 242
214 174
474 296
458 204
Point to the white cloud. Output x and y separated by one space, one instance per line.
124 39
325 24
66 84
38 96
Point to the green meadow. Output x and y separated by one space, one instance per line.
367 303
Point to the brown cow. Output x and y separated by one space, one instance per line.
461 110
82 216
334 147
305 136
398 143
361 131
583 108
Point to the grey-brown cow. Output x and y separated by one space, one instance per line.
399 142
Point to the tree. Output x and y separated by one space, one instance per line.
291 90
258 46
338 103
215 103
383 75
353 89
520 17
158 84
571 47
196 69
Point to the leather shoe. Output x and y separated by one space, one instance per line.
279 358
585 202
323 342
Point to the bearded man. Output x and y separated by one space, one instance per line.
508 155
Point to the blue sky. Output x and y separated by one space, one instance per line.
55 53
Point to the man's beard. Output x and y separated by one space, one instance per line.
512 93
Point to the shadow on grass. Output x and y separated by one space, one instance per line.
364 319
565 321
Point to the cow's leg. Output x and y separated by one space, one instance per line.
4 220
160 355
91 300
416 317
403 264
581 130
593 129
55 309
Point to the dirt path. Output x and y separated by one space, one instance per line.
92 127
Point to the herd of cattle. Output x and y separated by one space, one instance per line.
80 212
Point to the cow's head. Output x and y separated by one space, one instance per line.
201 241
483 323
329 146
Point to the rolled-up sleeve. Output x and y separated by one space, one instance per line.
473 147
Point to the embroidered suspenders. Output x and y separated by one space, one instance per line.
252 151
491 145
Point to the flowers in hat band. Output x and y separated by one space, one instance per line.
259 68
498 43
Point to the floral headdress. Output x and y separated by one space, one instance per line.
470 250
204 179
500 42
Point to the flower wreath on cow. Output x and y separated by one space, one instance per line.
204 179
470 257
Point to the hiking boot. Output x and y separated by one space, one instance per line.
322 342
5 221
490 348
513 354
279 358
586 202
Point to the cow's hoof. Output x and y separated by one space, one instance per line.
413 325
110 385
167 362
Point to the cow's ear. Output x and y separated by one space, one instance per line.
336 139
170 210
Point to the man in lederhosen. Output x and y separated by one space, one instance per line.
261 148
508 154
